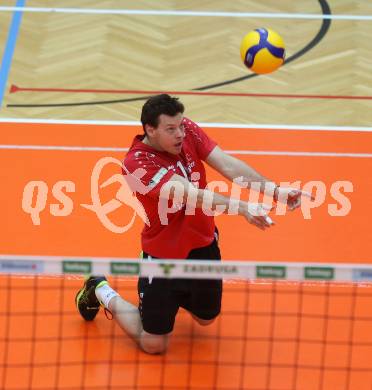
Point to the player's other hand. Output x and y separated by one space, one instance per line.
291 196
257 214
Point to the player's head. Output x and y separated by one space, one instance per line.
161 119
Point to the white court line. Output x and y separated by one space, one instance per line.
237 152
201 124
186 13
64 148
301 154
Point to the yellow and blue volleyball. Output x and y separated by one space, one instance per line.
262 51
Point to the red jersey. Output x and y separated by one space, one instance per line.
182 232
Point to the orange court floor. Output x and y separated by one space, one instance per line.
271 335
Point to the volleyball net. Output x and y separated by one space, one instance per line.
282 326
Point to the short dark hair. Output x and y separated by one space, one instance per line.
157 105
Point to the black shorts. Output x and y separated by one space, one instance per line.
160 300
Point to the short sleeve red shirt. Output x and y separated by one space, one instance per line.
176 237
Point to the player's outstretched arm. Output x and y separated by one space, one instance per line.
233 168
181 191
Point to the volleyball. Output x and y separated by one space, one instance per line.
262 50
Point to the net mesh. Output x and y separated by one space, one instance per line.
274 332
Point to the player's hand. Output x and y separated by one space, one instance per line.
291 196
257 214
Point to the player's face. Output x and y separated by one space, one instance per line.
169 134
